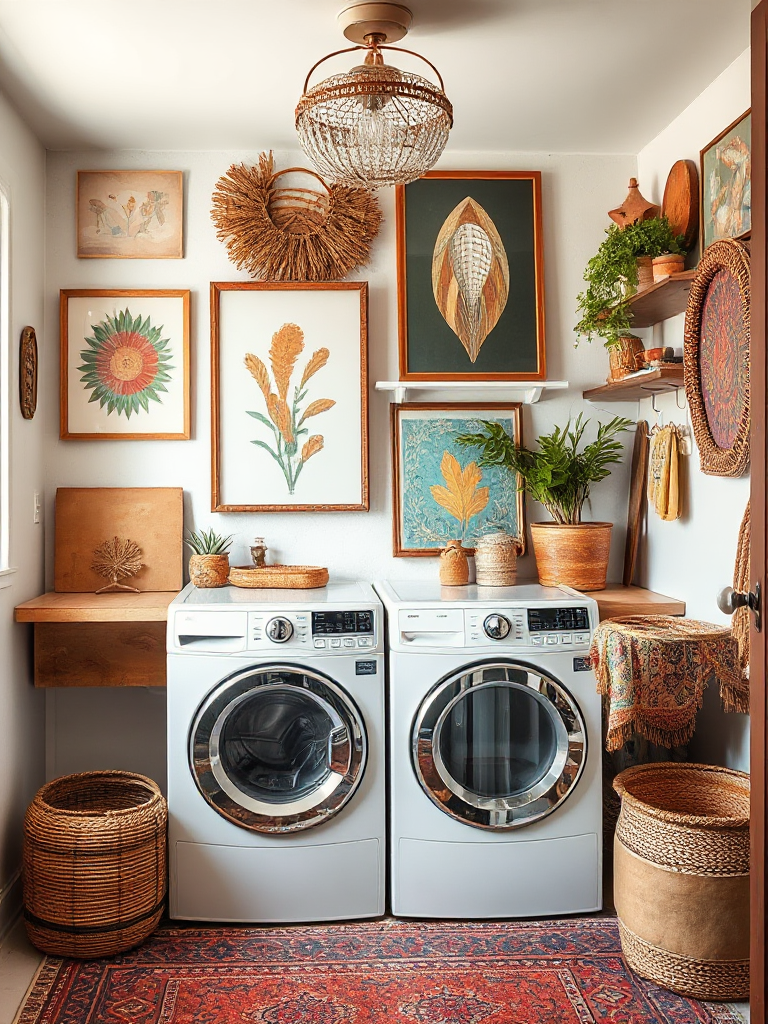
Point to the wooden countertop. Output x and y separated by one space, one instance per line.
52 607
618 600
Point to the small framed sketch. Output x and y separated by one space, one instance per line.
125 365
440 492
726 183
470 276
130 214
289 372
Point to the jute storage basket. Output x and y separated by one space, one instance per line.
681 877
94 863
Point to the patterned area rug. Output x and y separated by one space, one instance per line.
543 972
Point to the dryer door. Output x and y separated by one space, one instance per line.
278 748
498 745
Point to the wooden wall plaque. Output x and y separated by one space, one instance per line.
87 516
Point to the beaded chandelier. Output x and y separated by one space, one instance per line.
374 125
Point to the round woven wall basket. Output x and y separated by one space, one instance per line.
681 877
716 358
293 233
94 864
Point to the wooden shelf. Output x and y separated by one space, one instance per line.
638 385
618 600
662 300
51 607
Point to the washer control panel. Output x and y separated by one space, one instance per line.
332 631
551 627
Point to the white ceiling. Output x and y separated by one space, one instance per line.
593 76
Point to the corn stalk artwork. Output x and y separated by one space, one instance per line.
286 408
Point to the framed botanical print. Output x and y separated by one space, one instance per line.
726 183
124 364
130 214
470 276
289 372
439 491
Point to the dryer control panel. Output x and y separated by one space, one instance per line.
327 630
552 626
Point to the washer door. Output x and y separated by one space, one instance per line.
498 745
277 749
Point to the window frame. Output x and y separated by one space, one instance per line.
6 570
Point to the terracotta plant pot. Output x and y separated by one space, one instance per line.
209 570
625 358
644 272
669 263
576 555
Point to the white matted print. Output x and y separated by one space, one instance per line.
290 396
125 364
130 214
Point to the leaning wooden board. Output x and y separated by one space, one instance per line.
87 516
637 480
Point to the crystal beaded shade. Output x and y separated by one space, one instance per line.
374 125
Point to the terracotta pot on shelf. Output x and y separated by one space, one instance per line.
626 357
644 272
573 554
669 263
209 570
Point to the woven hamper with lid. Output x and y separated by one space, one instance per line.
94 863
681 877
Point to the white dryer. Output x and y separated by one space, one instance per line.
276 779
495 751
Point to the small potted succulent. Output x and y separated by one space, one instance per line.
560 476
613 274
209 564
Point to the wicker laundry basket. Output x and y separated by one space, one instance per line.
94 863
681 877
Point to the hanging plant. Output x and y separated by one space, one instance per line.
291 233
611 276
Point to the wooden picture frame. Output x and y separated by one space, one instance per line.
726 180
130 215
496 331
421 525
135 391
263 335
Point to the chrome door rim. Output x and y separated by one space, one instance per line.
497 813
259 816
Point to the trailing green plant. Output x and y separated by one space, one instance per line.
558 475
210 543
611 276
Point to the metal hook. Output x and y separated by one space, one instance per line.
685 401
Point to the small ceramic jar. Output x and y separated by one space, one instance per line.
454 567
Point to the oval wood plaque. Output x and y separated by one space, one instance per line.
681 201
28 373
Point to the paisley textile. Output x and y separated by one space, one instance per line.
652 669
380 972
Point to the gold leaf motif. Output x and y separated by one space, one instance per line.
470 275
311 447
461 497
287 345
317 362
259 373
318 406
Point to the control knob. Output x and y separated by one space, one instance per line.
497 627
279 629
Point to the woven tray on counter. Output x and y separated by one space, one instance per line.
290 577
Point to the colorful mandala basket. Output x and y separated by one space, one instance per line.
716 358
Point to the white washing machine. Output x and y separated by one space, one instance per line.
276 749
495 751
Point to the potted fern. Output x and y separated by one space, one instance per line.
560 475
612 275
209 564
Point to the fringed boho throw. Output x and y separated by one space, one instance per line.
740 620
653 669
291 233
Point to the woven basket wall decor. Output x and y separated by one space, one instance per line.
716 358
292 233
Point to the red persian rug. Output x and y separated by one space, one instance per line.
542 972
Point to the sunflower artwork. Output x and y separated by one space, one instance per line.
127 364
287 408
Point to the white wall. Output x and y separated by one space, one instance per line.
22 172
693 557
577 192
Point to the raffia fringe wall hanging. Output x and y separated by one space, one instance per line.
292 233
716 357
739 697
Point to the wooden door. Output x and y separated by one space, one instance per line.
758 658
